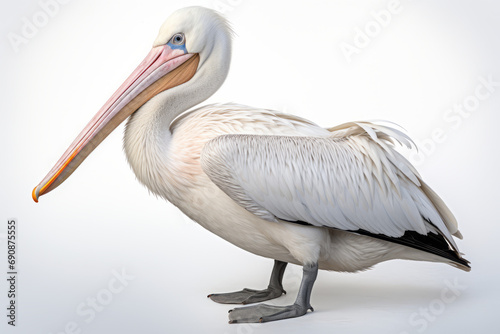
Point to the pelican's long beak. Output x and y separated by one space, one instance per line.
162 69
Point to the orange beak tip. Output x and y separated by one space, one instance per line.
33 194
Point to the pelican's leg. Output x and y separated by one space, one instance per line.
264 312
249 296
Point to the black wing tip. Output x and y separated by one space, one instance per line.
464 264
431 243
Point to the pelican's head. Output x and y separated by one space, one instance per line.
193 45
195 30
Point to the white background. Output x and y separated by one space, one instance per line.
286 56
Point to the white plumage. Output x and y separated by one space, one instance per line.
274 184
276 167
348 182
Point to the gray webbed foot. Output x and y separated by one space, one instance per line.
247 296
264 313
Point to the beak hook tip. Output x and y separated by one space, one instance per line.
34 195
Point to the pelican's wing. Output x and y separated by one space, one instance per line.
353 180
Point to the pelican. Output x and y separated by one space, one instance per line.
277 185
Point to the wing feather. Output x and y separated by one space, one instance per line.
351 180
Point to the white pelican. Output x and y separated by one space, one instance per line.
274 184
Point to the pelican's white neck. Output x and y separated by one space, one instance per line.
147 133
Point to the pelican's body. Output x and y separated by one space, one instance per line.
274 184
169 165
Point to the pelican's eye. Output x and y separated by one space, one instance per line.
177 39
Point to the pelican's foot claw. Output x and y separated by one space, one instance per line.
246 296
265 313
